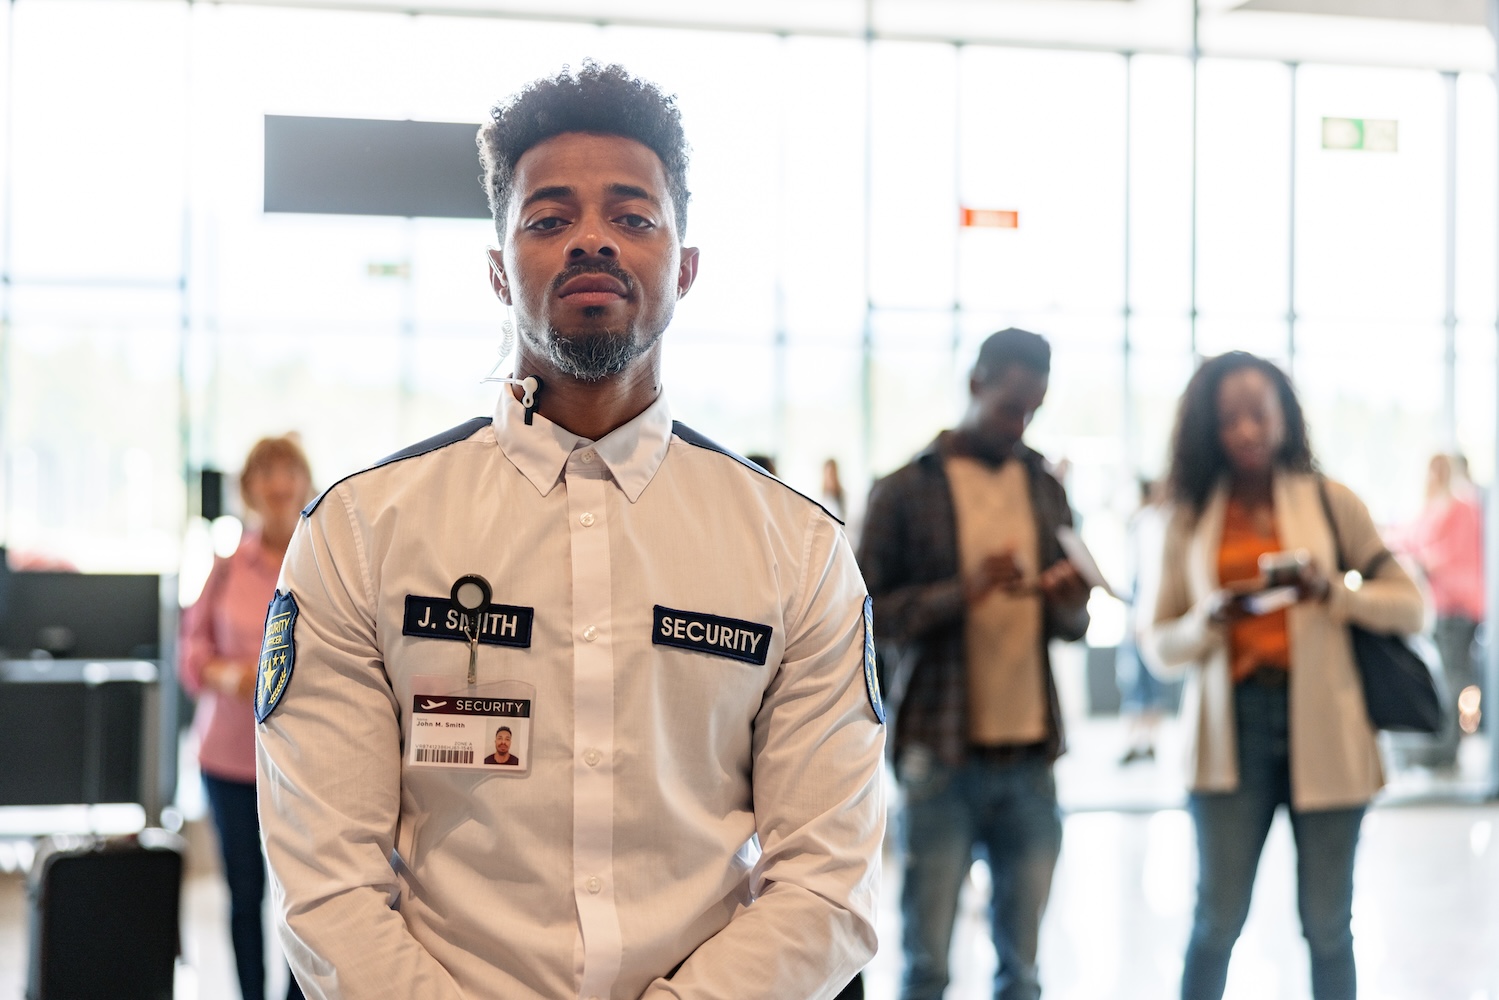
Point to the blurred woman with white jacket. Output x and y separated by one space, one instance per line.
1272 706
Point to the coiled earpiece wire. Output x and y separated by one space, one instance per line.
530 385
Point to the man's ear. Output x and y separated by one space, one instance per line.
686 270
498 280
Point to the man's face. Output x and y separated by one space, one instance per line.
592 263
502 744
1006 403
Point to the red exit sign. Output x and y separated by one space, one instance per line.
991 218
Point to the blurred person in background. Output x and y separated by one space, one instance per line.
1143 696
766 462
1446 541
970 585
221 643
833 497
1272 708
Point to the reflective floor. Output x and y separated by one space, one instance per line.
1426 915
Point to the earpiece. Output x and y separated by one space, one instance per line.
530 385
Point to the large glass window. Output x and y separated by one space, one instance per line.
1243 192
92 454
1370 233
1373 424
98 154
824 239
1042 134
1477 271
840 300
913 225
1160 180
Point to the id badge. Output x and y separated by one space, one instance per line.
486 727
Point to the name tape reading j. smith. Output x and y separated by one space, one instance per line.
712 634
440 618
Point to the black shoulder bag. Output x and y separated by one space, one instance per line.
1399 688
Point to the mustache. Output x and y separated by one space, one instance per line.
604 266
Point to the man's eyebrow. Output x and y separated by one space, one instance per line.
561 192
631 191
557 192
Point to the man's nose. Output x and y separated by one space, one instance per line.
593 239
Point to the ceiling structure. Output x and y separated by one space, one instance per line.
1430 34
1470 12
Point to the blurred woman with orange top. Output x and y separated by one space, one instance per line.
1253 610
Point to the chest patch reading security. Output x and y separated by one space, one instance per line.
278 654
440 618
712 634
871 671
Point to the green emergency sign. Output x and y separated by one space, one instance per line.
1371 135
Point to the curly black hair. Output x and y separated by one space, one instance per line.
603 100
1197 458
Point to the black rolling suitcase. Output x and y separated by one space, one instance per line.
104 917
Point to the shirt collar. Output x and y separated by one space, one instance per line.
632 452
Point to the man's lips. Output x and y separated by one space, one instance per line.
592 290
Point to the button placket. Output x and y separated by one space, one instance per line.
588 490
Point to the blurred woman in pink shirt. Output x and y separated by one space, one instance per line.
1446 540
220 651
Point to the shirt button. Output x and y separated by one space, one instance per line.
587 457
591 633
594 884
586 520
592 757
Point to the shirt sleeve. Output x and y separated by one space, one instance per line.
1181 632
1065 621
199 647
819 807
903 611
329 769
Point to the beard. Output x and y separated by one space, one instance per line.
594 355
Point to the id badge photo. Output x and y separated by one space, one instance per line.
482 727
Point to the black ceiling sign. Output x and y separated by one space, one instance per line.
361 166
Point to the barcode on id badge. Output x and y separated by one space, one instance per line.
443 755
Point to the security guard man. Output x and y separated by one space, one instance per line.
679 644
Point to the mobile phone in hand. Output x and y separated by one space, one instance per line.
1266 601
1283 569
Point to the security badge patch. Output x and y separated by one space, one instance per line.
715 635
278 654
871 674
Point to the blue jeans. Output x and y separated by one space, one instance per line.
1231 831
1004 812
238 825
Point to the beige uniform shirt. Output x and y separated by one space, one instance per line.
697 810
1007 695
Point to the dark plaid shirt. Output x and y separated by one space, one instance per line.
909 556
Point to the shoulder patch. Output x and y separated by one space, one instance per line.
697 440
871 667
278 654
462 432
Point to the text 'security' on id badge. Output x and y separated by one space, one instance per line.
482 728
